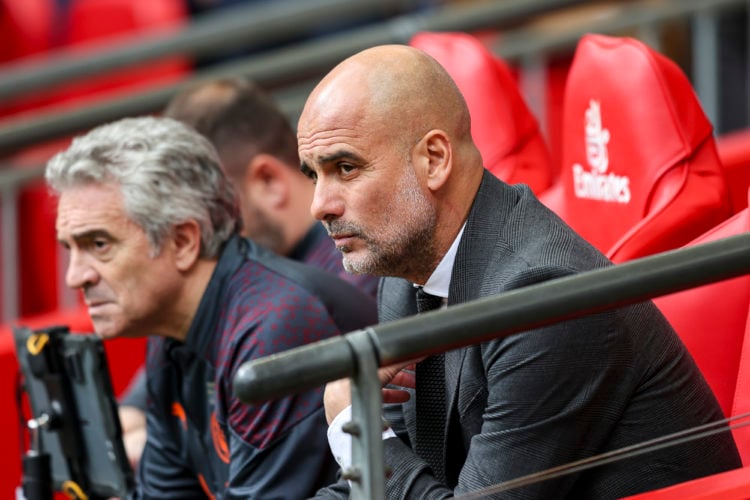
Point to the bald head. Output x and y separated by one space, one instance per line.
392 84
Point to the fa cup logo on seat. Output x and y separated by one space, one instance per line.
597 184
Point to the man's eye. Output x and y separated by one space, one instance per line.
346 168
100 244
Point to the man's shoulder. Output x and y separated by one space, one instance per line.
349 307
396 299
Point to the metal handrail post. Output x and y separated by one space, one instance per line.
367 472
9 252
705 31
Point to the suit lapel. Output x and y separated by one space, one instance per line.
477 248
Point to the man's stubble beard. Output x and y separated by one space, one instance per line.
409 253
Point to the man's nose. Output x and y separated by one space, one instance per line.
80 272
327 201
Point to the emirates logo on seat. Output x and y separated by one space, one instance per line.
596 183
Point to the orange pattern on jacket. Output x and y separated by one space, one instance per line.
179 412
220 442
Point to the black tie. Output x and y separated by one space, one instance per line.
431 399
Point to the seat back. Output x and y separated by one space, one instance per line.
503 128
640 172
729 485
711 319
29 29
741 403
734 153
26 28
714 323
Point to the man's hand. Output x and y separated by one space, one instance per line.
338 395
133 423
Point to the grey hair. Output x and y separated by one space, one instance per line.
168 174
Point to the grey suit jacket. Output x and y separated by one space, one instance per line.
552 395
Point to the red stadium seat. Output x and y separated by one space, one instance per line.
741 403
711 319
505 131
730 485
37 251
734 152
640 173
26 28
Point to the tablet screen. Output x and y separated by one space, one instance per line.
74 409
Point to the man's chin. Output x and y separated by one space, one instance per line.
354 265
105 329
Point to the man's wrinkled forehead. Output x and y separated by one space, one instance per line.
331 123
336 109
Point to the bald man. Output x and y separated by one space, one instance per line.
401 189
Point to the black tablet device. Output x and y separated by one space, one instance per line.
74 412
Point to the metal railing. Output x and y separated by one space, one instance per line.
358 354
297 64
238 27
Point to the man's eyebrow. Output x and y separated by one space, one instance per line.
340 155
331 158
305 169
88 235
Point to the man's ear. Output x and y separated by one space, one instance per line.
186 240
434 150
266 182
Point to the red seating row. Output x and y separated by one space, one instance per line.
39 27
640 172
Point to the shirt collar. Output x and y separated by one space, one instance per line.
439 281
201 331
